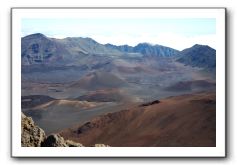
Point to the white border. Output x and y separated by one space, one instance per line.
18 151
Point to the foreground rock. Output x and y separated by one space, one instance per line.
34 136
100 145
56 140
31 135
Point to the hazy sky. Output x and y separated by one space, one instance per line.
175 33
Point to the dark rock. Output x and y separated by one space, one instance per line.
150 103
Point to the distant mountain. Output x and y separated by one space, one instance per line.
122 48
155 50
146 49
201 56
87 53
39 49
87 46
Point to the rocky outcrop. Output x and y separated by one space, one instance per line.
150 103
55 140
34 136
31 135
71 143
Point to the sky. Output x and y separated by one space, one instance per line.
175 33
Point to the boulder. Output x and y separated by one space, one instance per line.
31 134
56 140
73 144
100 145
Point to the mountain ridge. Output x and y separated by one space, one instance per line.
147 49
40 49
51 59
199 56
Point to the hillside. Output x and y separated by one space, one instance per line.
98 80
201 56
40 49
186 120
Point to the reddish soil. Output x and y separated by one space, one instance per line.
181 121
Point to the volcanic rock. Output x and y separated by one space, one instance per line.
31 134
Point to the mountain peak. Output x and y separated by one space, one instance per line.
201 56
90 39
87 39
36 35
144 44
201 46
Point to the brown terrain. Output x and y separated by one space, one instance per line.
98 80
180 121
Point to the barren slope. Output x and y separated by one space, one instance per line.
187 120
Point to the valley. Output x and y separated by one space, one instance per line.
92 93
